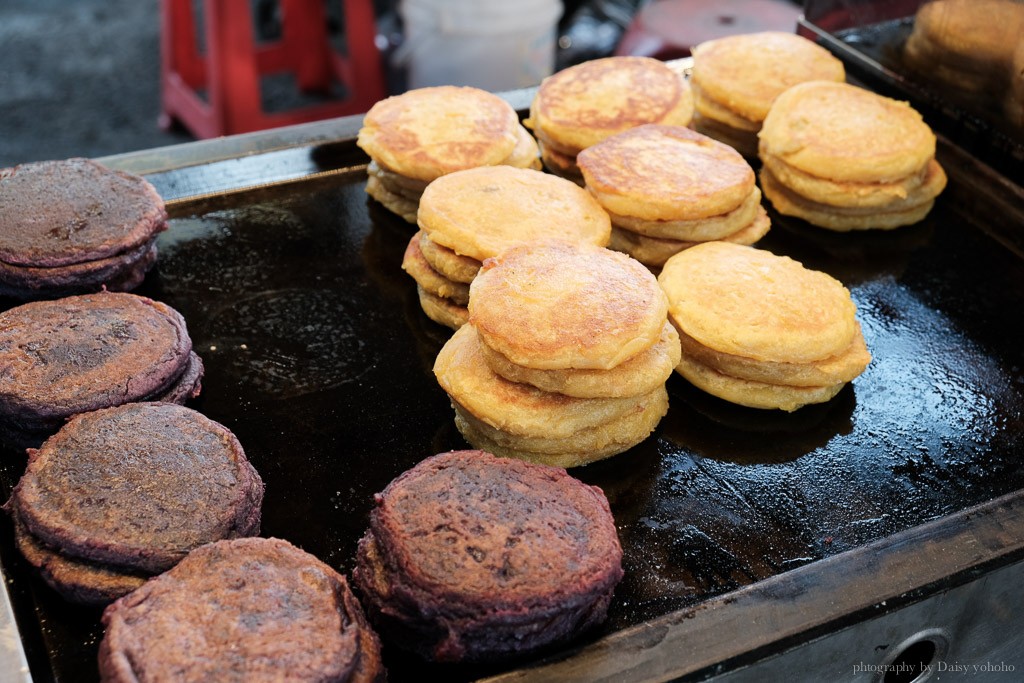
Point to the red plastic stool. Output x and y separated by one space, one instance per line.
231 67
667 29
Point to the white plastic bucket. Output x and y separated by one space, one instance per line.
489 44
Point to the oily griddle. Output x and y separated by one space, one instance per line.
318 358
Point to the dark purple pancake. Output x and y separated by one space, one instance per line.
123 493
116 273
249 610
74 225
472 557
68 356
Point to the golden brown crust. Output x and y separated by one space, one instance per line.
518 408
640 374
752 303
708 108
842 367
526 153
429 132
482 212
743 141
654 252
562 165
582 448
745 392
840 219
666 173
700 230
555 305
448 262
913 190
845 133
586 103
743 74
395 203
429 279
971 35
442 311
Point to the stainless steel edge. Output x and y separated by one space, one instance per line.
786 610
13 663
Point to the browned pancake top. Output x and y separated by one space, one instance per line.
474 529
138 486
62 357
251 609
55 213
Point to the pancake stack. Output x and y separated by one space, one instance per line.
469 557
735 79
668 188
967 45
423 134
468 216
565 357
81 353
121 494
761 330
74 226
584 104
248 609
843 158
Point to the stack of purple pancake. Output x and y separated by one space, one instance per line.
75 226
121 494
81 353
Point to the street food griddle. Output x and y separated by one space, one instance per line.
745 532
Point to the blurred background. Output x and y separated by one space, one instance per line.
82 77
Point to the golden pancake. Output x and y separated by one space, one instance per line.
482 212
429 279
700 230
560 164
666 173
840 219
392 202
554 305
743 74
827 372
526 154
448 262
745 392
654 252
442 311
743 141
845 133
972 35
752 303
586 103
582 448
913 190
710 109
519 408
428 132
397 183
640 374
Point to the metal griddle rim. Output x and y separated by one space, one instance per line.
720 634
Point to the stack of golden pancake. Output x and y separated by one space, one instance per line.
468 216
966 44
843 158
423 134
565 357
668 188
735 80
584 104
761 330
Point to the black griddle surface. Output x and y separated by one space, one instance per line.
319 359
